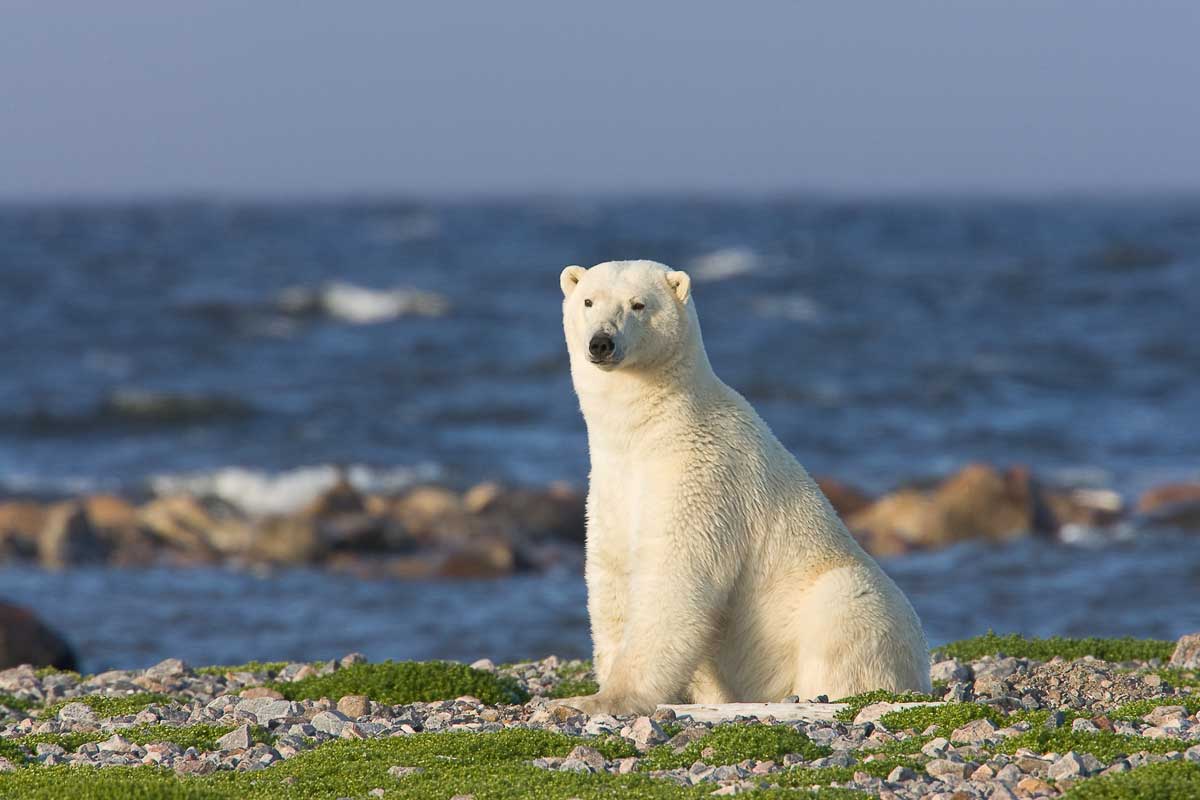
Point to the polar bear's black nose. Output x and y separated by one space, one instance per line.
601 346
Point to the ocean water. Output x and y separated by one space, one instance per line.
1147 587
246 349
250 345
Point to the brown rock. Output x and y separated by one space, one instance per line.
341 498
354 705
428 511
1168 495
286 540
69 538
1030 786
185 523
978 502
846 500
481 558
1187 652
20 523
25 639
108 511
907 515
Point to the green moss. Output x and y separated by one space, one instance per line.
733 743
43 672
1103 745
1177 676
269 667
1151 782
489 766
860 701
107 705
824 776
1139 708
946 717
990 644
397 682
16 703
575 680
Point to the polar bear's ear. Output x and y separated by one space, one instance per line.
681 284
570 278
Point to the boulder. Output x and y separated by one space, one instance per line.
286 540
846 500
484 557
1168 495
1187 652
429 512
25 639
116 521
1089 508
341 498
69 538
978 502
184 523
553 512
20 523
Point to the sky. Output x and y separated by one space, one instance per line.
129 97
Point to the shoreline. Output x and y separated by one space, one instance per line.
433 531
1010 717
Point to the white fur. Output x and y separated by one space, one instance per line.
716 569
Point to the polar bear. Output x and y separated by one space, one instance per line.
716 569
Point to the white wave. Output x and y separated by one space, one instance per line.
725 263
259 492
360 305
794 307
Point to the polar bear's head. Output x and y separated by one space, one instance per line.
626 314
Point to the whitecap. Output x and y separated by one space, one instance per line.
724 263
794 307
360 305
261 492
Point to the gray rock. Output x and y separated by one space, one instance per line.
76 712
236 739
277 709
1082 725
936 748
589 755
115 744
1069 765
576 765
399 772
1192 753
951 671
169 668
974 732
945 769
1187 652
646 733
901 774
350 659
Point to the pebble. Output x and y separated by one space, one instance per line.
957 764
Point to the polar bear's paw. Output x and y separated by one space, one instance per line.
601 703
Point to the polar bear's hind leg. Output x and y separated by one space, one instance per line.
858 634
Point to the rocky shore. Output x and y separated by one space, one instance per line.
491 529
1010 718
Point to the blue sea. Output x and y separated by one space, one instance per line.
246 348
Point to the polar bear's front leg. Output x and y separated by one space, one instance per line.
607 577
670 621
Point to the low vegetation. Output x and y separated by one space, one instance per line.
1175 779
990 644
398 682
730 744
108 705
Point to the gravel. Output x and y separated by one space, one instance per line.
964 762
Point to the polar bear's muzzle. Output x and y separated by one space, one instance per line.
602 349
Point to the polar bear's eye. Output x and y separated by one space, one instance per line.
637 306
587 303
